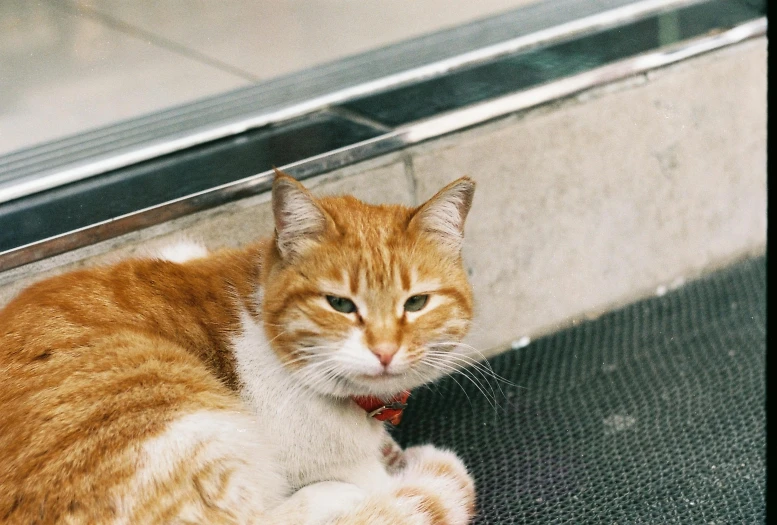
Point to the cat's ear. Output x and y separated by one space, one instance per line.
443 216
299 220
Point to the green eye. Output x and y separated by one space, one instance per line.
416 303
341 304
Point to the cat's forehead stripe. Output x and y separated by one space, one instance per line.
353 281
404 277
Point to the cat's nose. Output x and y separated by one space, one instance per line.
385 352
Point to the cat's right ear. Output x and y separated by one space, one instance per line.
299 220
442 217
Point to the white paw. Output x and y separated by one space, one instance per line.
327 500
427 460
440 475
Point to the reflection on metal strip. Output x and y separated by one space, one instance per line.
463 118
202 200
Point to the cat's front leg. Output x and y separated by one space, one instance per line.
376 471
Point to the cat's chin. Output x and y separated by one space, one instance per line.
381 376
384 385
380 385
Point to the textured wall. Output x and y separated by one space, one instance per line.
589 204
581 205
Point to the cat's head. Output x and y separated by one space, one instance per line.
367 300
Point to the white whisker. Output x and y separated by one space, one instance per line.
450 368
481 363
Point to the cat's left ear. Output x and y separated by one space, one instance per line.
299 220
443 216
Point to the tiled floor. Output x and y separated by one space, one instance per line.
71 65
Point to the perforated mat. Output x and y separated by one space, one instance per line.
654 413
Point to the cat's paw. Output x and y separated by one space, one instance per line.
434 488
438 483
327 500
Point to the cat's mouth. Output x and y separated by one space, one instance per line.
382 375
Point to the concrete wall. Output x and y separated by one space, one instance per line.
581 205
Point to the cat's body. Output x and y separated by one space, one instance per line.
219 388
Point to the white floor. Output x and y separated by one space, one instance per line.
67 66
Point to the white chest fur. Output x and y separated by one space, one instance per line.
318 438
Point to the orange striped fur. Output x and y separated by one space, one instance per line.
217 389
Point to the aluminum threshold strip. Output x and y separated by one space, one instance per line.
484 111
400 138
86 155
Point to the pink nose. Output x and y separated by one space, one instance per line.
385 352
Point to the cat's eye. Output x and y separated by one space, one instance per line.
341 304
416 303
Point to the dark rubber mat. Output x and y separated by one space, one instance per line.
654 413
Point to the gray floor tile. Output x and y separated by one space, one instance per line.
62 73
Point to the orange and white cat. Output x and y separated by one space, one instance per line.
229 387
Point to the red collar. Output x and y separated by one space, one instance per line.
384 410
